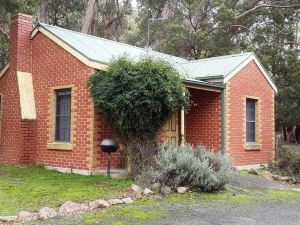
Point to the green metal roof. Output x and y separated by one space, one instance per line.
103 51
216 66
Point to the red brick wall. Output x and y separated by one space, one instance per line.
54 67
249 82
203 121
17 137
103 130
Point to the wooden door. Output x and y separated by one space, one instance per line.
171 129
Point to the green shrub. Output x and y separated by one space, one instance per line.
188 166
286 163
138 98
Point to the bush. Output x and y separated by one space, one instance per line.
286 163
188 166
138 98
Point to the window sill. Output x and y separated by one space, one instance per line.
60 146
250 146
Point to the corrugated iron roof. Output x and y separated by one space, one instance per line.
216 66
103 51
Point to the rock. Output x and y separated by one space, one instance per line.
84 207
147 192
267 175
156 187
135 188
182 190
253 172
115 201
47 213
69 208
127 200
134 192
166 190
8 219
98 204
26 216
134 195
284 179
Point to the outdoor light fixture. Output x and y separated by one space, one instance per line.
109 146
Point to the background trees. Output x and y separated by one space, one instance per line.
191 28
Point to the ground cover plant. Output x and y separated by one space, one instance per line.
31 188
186 165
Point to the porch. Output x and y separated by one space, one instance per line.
203 124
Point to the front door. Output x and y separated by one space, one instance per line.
171 129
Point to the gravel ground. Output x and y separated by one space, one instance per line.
268 210
251 181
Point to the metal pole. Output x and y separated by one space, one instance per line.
108 166
148 36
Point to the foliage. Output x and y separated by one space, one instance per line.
31 188
138 98
189 166
286 163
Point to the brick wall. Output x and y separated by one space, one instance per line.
17 136
61 69
203 121
249 82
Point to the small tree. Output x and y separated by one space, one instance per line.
138 98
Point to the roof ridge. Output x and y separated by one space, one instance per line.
108 40
220 57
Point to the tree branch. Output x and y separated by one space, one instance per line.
265 6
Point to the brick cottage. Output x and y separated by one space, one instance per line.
47 114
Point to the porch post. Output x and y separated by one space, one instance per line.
182 126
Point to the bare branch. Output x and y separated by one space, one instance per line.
265 6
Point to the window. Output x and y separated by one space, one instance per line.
63 115
251 120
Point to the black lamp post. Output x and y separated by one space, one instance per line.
109 146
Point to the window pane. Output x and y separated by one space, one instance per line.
251 120
63 115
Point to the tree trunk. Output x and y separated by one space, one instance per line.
44 12
90 21
297 134
284 134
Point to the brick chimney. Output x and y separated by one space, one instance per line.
20 42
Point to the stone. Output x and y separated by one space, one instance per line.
115 201
98 204
134 195
147 192
253 172
127 200
47 213
182 190
69 208
284 179
84 207
166 190
135 188
8 219
156 187
26 216
267 175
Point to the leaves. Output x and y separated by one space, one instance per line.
138 97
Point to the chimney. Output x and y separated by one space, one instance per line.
20 42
